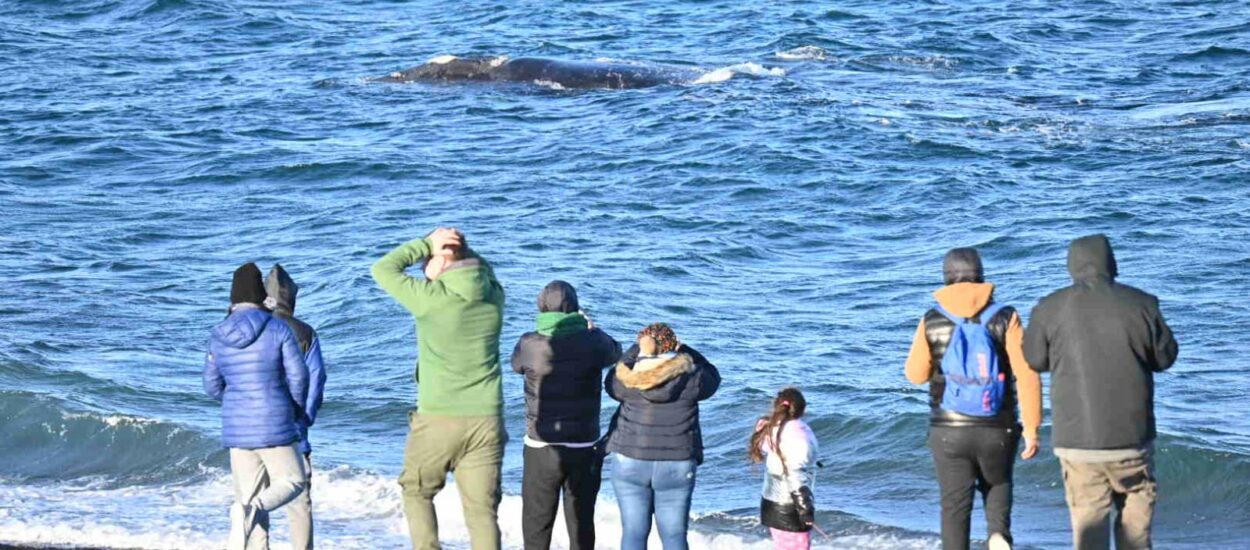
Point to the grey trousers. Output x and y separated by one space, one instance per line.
267 479
1093 489
299 512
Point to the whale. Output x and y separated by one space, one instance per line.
555 73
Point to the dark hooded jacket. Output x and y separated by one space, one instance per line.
282 291
255 368
659 416
562 390
1102 342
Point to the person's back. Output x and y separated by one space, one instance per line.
255 368
788 448
973 426
282 293
656 440
562 361
458 424
1102 342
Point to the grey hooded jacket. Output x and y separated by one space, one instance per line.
1102 342
282 291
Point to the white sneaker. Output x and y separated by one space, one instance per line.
997 542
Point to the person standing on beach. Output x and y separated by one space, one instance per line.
969 349
657 444
458 424
255 368
562 360
1102 342
788 448
281 301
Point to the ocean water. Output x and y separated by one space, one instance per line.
787 215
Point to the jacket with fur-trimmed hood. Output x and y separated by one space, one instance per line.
659 415
1101 342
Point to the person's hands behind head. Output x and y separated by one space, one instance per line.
444 241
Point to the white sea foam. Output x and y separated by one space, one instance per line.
549 84
725 73
354 510
810 53
441 60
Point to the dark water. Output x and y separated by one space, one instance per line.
788 219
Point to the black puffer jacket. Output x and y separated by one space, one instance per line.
1102 342
659 417
562 390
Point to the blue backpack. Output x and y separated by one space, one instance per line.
974 382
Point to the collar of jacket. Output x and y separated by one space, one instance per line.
650 372
555 323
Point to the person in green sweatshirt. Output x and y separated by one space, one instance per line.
458 423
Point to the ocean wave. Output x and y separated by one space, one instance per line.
48 439
806 53
355 509
749 69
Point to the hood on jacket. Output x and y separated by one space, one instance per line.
281 289
650 372
1090 258
558 297
965 299
470 279
242 327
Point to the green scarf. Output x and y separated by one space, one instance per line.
555 323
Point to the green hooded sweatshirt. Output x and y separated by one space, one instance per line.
459 317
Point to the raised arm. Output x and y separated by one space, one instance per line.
389 272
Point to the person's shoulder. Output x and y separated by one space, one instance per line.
1135 293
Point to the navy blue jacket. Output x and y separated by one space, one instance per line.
256 369
659 415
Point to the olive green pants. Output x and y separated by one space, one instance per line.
471 449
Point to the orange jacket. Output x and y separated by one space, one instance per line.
966 300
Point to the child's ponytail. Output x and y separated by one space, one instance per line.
788 405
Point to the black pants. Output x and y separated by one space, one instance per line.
548 471
968 460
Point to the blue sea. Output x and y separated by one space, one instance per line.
787 215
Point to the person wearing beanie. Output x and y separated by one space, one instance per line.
1102 343
562 360
255 367
656 442
458 425
282 290
969 350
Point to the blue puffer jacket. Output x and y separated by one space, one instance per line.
255 367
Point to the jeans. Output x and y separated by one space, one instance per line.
968 460
548 472
471 448
660 486
1094 488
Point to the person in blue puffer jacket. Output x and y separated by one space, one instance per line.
256 369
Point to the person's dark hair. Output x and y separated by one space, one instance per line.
788 405
962 265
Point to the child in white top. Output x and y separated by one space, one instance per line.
788 448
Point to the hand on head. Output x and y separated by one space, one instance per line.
444 241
